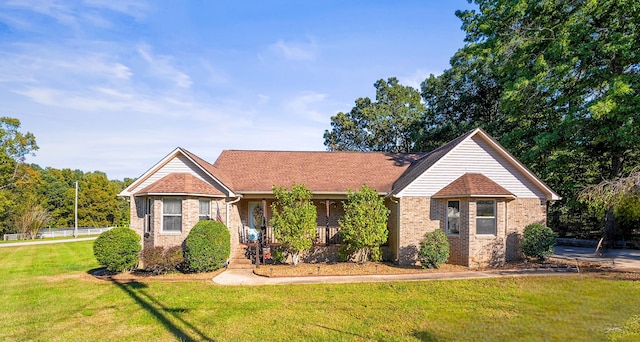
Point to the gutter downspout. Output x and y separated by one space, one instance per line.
232 202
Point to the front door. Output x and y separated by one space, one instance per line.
256 216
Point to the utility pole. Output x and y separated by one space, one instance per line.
75 229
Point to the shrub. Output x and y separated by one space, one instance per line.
207 247
159 260
364 225
538 241
434 249
117 249
294 219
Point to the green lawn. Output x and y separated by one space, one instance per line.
45 294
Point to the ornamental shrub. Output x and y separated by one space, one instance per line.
159 260
364 225
434 249
117 249
538 241
207 247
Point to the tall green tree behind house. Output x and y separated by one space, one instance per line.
390 123
569 72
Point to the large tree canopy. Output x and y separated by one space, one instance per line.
386 124
556 82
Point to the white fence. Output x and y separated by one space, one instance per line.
54 233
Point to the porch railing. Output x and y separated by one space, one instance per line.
325 236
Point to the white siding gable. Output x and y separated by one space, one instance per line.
473 155
178 164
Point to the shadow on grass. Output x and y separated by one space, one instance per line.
136 291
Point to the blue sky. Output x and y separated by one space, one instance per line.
115 85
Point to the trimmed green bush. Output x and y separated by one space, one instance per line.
434 249
159 260
208 246
117 249
538 241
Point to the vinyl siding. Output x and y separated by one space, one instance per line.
473 155
179 164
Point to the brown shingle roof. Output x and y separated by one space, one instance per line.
473 185
181 183
330 172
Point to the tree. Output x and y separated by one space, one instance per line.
364 225
31 221
389 124
294 219
556 82
14 146
619 196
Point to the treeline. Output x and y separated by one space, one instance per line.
32 197
556 82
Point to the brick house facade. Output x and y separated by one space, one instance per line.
471 188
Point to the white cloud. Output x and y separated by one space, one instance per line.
416 78
133 8
162 66
294 51
262 99
58 10
309 105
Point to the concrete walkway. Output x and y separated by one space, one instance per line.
619 259
44 242
247 277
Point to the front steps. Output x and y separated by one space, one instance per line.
239 259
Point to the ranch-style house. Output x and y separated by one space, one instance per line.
471 188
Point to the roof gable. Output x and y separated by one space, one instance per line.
188 163
180 183
465 162
473 185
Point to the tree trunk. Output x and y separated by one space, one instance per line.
295 257
609 228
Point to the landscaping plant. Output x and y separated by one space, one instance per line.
159 260
117 249
364 225
434 249
208 246
538 241
294 219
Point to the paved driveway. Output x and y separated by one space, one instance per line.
618 258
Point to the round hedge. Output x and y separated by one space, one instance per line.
117 249
208 246
538 241
434 249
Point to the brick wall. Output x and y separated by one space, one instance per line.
419 215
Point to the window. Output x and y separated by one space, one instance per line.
204 211
148 218
486 217
172 214
453 217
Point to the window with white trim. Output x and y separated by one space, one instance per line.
486 217
204 210
453 217
148 217
172 214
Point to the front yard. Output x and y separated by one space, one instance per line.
47 294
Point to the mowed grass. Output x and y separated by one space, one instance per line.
46 294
